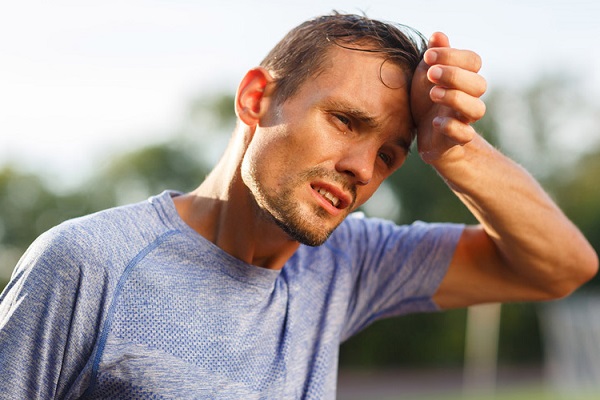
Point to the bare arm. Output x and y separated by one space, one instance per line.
525 248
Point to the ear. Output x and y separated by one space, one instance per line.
253 96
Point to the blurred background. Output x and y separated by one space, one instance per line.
103 103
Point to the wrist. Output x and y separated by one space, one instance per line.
462 166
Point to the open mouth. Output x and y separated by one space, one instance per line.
335 201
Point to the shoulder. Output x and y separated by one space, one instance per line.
94 242
133 221
360 232
83 234
373 244
361 242
62 288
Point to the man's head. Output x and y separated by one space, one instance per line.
328 119
302 53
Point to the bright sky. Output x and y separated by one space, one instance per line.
81 79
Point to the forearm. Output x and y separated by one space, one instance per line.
526 249
532 235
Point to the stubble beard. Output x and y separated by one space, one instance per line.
283 209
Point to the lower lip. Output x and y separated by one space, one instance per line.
323 202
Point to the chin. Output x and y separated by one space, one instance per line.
304 235
304 223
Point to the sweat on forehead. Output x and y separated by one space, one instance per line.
389 72
301 53
388 67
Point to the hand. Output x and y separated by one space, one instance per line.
445 99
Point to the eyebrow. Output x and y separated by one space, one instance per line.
358 114
404 144
365 118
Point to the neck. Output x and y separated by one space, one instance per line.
223 211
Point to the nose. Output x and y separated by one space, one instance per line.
359 163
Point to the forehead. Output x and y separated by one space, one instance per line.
363 61
364 81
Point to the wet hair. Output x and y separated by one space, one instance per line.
302 53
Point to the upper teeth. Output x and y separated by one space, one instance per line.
334 200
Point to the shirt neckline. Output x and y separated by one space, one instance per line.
232 266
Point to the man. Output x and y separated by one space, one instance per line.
245 287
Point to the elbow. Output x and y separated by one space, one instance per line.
589 265
575 273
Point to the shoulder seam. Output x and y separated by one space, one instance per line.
97 355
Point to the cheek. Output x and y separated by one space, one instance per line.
254 166
266 159
249 170
289 146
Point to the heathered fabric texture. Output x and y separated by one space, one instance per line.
131 303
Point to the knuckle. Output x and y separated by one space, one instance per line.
452 98
450 76
482 86
476 62
446 56
458 131
482 109
477 111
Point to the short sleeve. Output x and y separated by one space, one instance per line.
397 269
47 320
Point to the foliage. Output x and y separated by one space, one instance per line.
413 340
579 196
148 171
520 338
28 206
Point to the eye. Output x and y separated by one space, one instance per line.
386 158
343 120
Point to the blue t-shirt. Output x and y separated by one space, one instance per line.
132 303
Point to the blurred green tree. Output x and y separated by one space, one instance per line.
28 207
135 176
524 123
578 192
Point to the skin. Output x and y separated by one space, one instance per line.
341 133
345 131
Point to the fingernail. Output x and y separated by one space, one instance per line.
431 57
435 73
431 41
438 121
438 93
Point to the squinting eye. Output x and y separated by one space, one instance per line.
344 120
386 158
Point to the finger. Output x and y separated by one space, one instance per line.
438 39
457 78
470 108
465 59
454 130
